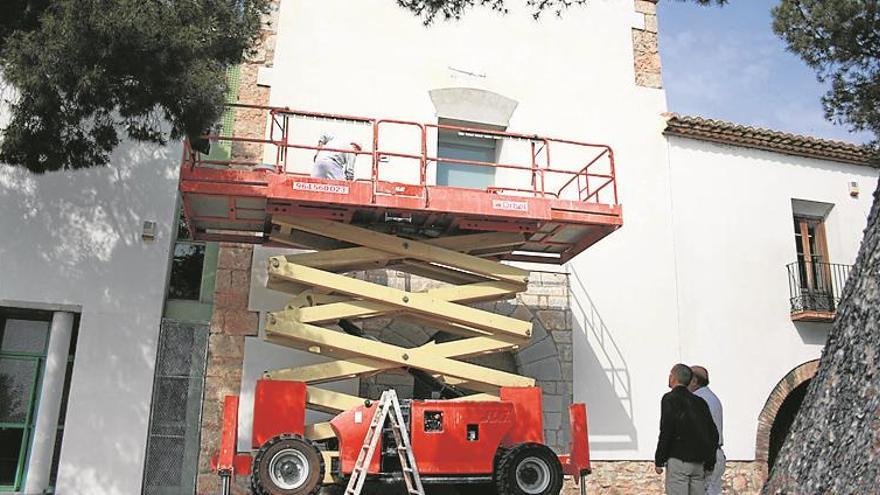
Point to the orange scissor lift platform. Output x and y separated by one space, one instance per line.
562 206
394 213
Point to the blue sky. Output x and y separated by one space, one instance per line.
727 63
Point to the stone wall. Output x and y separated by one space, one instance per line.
638 477
768 414
547 358
252 122
646 51
231 322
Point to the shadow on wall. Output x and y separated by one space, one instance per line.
608 388
103 447
812 333
78 227
74 237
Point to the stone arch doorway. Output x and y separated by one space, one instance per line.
547 356
783 421
779 412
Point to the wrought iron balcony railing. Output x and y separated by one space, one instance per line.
815 288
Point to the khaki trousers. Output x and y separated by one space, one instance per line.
713 480
685 478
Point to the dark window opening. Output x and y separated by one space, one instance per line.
186 271
10 454
183 233
473 433
784 419
433 421
187 264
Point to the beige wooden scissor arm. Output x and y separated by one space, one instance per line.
423 304
331 402
363 258
323 295
352 368
359 309
407 248
329 343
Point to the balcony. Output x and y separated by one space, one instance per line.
815 289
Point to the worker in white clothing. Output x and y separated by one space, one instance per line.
335 164
699 386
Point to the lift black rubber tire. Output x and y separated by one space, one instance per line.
485 488
287 465
528 469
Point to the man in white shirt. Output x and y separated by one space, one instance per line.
699 386
335 164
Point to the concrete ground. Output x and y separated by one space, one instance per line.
395 489
568 488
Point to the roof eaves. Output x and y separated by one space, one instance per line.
769 140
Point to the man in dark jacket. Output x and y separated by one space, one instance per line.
688 437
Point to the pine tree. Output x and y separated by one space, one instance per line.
86 74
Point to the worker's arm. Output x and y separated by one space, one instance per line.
322 141
348 168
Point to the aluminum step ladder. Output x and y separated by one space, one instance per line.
388 408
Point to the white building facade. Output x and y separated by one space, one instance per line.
81 299
713 215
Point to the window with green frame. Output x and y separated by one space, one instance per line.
186 265
24 338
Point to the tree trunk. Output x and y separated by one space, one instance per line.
834 444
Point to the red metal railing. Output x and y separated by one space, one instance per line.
585 173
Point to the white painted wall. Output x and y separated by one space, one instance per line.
623 302
572 78
732 217
697 274
74 238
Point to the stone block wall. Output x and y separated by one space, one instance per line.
252 122
638 477
547 357
646 51
231 322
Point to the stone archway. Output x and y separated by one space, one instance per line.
547 357
794 379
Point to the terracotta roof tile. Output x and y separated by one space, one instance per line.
765 139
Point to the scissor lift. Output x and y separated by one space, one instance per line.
458 237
